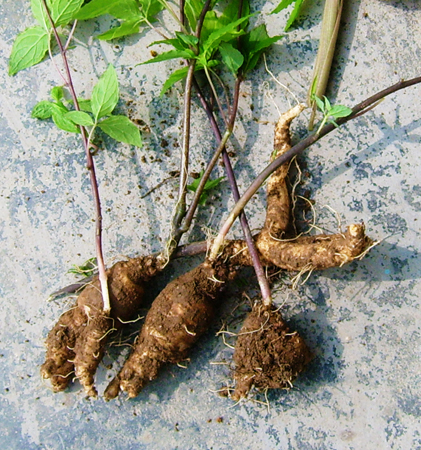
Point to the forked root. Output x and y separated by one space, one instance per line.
77 341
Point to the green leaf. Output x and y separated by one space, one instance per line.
84 105
38 11
125 10
182 42
172 54
80 118
121 129
230 13
338 111
294 14
59 118
231 57
187 39
87 269
209 185
192 10
225 33
57 93
97 8
210 25
180 74
63 11
28 49
43 110
125 29
253 44
328 106
283 5
320 103
150 8
105 93
177 75
178 45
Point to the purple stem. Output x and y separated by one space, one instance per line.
89 163
261 277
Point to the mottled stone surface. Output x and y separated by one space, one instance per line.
362 321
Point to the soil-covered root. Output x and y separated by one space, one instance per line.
76 343
267 354
180 314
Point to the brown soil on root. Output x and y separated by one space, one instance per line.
76 343
180 314
267 354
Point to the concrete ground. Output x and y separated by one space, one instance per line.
362 321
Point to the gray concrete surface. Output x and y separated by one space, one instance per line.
362 321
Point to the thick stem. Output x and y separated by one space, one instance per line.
329 33
295 150
91 167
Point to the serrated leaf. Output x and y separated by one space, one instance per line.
42 110
59 118
172 54
57 93
338 111
231 57
121 129
80 118
28 49
125 29
105 94
64 11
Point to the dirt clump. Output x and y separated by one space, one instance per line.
267 354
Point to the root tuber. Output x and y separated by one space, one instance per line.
76 343
267 355
180 314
